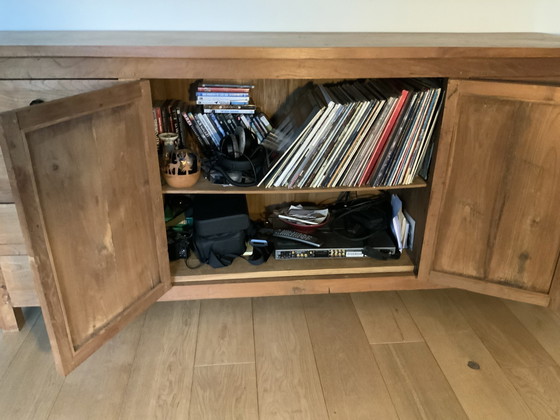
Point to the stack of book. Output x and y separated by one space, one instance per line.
225 98
168 118
360 133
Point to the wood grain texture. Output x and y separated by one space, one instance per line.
555 290
164 384
418 387
519 67
511 344
350 377
291 286
489 288
11 343
225 332
101 226
242 270
5 188
11 318
542 323
112 257
96 389
19 93
484 393
540 388
224 392
18 279
504 138
287 377
30 385
160 382
10 230
203 186
385 319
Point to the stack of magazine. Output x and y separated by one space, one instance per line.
357 133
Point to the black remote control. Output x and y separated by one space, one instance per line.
297 236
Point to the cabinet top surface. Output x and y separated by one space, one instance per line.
275 45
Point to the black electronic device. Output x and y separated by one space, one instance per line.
380 245
215 214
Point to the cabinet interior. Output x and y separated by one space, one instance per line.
270 95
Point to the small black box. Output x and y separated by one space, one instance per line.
215 214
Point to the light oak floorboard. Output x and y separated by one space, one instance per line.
287 377
418 387
31 384
225 332
96 388
540 389
384 318
350 377
484 393
510 343
224 383
543 324
11 342
224 392
295 374
161 378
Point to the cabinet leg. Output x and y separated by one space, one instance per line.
11 319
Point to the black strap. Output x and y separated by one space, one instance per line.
378 255
218 261
260 254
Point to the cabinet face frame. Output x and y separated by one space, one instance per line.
518 97
53 131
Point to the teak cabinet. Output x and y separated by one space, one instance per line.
87 192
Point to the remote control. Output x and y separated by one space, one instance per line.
297 236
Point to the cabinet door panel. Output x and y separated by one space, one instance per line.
11 236
19 93
497 222
89 191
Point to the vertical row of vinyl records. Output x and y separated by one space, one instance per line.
374 132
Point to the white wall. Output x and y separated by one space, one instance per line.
284 15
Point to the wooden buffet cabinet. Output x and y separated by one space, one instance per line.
81 171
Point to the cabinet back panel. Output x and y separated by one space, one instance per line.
499 223
268 94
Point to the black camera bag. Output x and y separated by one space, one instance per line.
221 223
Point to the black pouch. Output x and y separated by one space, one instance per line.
221 223
219 250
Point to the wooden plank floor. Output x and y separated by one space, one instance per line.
381 355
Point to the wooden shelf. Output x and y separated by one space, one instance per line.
241 270
203 186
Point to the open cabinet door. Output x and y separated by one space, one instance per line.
493 223
85 176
